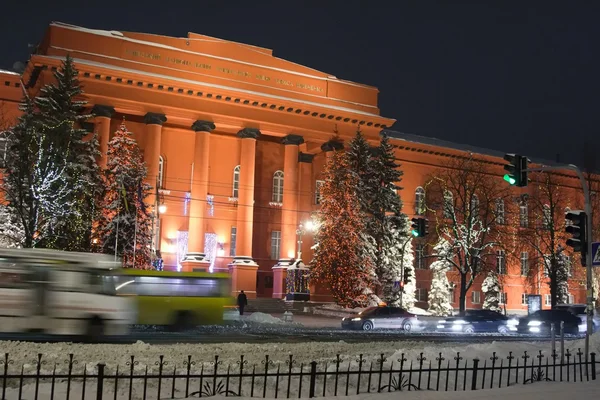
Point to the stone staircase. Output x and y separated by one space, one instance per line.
267 305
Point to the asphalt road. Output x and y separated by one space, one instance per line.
261 333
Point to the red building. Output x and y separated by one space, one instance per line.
237 139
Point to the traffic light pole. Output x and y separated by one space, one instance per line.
589 238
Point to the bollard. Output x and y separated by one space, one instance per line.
562 342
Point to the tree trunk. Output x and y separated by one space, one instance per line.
553 289
462 302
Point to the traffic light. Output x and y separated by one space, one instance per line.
419 227
578 231
406 277
517 170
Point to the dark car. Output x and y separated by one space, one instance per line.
540 322
381 318
580 310
477 321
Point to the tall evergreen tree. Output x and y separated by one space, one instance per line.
33 182
341 259
359 157
386 222
60 113
125 221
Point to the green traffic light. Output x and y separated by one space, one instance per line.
509 179
414 233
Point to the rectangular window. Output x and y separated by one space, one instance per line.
571 298
420 256
501 262
547 300
524 263
500 220
275 243
421 294
523 216
503 298
451 295
232 241
318 186
524 297
475 297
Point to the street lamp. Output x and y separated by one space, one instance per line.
308 226
162 209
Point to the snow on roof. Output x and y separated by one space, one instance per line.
229 88
431 141
122 37
6 72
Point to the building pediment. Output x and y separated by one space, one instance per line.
217 61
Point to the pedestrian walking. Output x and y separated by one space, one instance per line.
242 301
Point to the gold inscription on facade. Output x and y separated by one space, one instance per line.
136 53
228 71
284 82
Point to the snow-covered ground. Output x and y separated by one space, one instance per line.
147 357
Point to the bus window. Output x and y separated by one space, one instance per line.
13 279
177 287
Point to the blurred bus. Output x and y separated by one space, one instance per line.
62 293
179 300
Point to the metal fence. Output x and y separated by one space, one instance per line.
341 376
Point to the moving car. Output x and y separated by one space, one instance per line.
381 318
478 321
580 311
540 322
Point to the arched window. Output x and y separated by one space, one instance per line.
475 206
277 196
420 201
236 182
161 169
448 204
500 217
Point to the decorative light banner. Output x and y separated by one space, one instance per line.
182 246
210 248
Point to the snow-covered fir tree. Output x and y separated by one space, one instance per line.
125 219
398 257
438 301
342 258
491 292
33 182
11 230
60 115
359 155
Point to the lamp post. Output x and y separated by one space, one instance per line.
308 226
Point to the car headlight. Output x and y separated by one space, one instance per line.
441 321
534 323
356 319
512 322
460 322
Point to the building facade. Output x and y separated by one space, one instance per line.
236 141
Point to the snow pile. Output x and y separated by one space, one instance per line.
262 318
418 311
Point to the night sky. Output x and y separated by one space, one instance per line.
508 75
